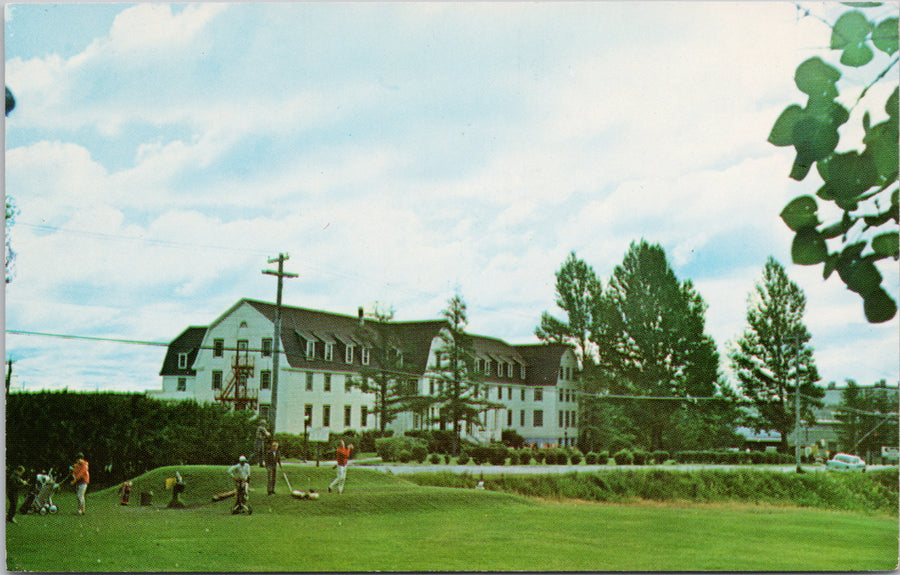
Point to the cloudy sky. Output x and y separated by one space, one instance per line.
399 152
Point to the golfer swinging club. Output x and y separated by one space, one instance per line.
343 456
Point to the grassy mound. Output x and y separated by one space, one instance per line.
872 492
373 492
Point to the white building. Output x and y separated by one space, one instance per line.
231 360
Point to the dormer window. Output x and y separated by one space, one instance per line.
310 349
182 361
365 355
329 351
348 354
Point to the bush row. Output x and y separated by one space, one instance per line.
406 449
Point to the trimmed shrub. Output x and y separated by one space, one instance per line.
497 454
525 457
419 453
660 457
511 438
463 458
590 458
624 457
562 458
641 457
575 459
435 458
539 455
389 448
603 457
404 456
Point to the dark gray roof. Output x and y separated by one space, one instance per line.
188 342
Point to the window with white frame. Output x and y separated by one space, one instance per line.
487 367
348 354
265 379
366 352
329 351
326 416
309 381
217 379
266 346
182 360
538 418
310 349
327 382
182 384
218 347
509 369
538 394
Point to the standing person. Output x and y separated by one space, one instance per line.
80 479
343 456
273 460
14 482
262 439
240 472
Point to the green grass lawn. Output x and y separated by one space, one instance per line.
382 522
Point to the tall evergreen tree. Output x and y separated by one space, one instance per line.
650 336
774 353
384 377
459 395
868 419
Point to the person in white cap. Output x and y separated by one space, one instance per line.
241 474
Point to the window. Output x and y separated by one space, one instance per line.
348 384
217 379
365 355
182 384
509 393
560 396
523 394
347 410
538 394
522 371
265 379
499 392
487 367
309 381
327 382
481 366
326 416
329 351
430 387
266 346
572 419
363 416
561 419
307 415
218 347
509 370
538 418
509 418
243 345
348 354
567 414
522 418
310 349
182 360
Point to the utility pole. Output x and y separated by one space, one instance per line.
276 339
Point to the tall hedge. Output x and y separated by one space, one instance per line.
122 435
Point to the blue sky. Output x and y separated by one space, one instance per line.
159 154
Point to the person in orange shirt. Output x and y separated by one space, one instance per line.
80 479
343 456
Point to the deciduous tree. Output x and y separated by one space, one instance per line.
651 342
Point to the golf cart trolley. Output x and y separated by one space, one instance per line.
40 500
241 498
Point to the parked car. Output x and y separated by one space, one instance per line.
845 462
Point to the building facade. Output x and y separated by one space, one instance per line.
232 361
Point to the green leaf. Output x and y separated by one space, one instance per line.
887 244
881 146
840 228
861 276
808 248
879 306
857 55
846 175
891 106
800 213
885 36
782 133
831 263
816 78
850 29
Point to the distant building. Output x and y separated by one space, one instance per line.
231 361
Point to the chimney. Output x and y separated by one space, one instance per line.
362 321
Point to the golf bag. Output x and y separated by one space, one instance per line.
40 500
241 498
